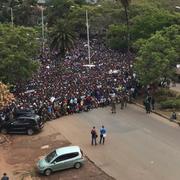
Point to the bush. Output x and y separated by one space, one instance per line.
161 98
170 104
165 92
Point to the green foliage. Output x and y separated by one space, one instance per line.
116 36
167 4
58 9
170 104
165 92
18 47
125 3
158 55
100 17
24 12
80 2
62 37
146 24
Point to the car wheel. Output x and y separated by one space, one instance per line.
30 132
4 131
77 165
48 172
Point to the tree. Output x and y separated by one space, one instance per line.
24 12
157 56
116 37
62 37
125 4
155 19
58 9
19 48
5 96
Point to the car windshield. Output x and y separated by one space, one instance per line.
51 156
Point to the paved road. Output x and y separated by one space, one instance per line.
138 146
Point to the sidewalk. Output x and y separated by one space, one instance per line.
163 114
160 113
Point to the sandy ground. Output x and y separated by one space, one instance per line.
20 153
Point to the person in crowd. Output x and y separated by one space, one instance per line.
94 136
5 177
102 135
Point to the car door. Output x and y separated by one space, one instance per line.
72 157
17 126
58 163
64 161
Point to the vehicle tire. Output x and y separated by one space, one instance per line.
48 172
4 131
30 132
77 165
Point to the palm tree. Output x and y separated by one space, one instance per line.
125 4
62 38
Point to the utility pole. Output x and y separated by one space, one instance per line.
87 25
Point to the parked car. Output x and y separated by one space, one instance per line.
24 112
60 159
23 124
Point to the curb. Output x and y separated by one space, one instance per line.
160 114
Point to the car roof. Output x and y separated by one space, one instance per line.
68 149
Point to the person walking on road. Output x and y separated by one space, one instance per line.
5 177
93 136
102 135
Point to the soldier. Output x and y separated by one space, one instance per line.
113 106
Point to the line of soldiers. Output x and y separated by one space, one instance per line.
122 100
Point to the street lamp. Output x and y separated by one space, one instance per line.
42 3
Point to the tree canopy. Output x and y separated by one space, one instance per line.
62 37
158 55
19 47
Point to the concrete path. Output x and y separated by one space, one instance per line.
138 146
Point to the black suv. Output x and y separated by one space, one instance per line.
23 124
24 112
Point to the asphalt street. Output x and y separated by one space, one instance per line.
138 146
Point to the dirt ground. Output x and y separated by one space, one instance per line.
20 153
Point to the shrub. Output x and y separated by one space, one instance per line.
170 104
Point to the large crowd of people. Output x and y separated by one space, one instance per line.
70 87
